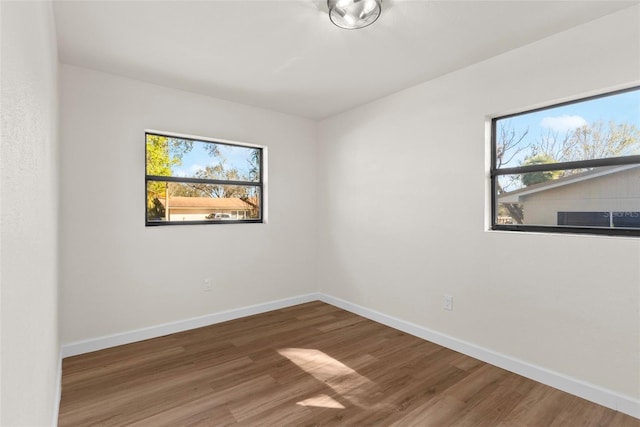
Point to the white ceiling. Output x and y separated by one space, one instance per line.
287 56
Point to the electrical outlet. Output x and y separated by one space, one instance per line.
447 302
207 285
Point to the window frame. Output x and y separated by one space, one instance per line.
157 178
494 172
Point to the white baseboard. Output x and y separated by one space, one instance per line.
57 396
94 344
591 392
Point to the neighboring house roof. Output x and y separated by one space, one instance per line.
207 203
514 196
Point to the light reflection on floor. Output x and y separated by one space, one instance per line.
321 401
346 382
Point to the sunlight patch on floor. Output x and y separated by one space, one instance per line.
333 373
321 401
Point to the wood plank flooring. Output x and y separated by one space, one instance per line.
312 364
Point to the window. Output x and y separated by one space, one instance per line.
201 181
572 167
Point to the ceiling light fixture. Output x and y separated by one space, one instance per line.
354 14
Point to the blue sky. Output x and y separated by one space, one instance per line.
621 108
198 158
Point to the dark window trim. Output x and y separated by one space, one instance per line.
579 164
259 183
611 161
568 230
202 180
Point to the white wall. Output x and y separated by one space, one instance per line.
402 198
118 275
29 215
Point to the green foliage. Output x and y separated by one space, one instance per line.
162 154
156 209
254 163
538 177
158 163
158 160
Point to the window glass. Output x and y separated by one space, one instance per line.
188 180
592 129
561 166
198 159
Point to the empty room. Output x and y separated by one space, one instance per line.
312 212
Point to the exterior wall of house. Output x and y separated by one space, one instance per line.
178 214
616 192
187 216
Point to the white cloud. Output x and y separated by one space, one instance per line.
195 168
191 171
563 123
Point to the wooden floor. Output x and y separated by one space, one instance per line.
312 364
